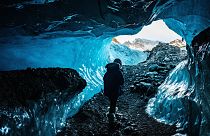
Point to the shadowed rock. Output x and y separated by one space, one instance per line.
20 86
35 101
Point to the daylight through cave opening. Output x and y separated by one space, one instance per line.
133 49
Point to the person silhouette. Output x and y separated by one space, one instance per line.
113 80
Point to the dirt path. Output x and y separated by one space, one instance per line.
131 119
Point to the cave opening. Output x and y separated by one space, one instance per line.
133 49
155 31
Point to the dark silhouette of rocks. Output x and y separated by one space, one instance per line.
20 86
30 97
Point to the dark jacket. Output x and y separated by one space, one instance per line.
113 79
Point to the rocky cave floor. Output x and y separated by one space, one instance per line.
141 82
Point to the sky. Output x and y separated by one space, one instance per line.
156 31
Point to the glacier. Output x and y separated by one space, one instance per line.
88 55
183 99
168 104
26 51
78 35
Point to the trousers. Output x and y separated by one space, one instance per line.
113 103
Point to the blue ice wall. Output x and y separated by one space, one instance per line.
183 98
20 52
169 104
85 54
88 55
188 26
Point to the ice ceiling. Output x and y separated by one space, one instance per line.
103 17
64 33
47 24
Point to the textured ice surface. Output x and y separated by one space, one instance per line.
88 55
102 19
168 104
183 99
85 54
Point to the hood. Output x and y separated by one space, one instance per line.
112 67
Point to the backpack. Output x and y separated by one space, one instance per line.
113 79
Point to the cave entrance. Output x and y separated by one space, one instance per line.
131 48
156 31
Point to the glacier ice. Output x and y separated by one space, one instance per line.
85 27
168 103
183 99
86 54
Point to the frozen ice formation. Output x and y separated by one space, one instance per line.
77 34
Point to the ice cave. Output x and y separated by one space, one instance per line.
53 55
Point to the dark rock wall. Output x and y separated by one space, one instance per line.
199 67
37 101
20 86
94 17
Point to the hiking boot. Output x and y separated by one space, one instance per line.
111 117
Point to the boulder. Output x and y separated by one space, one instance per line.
152 73
20 86
129 130
132 87
31 94
171 66
153 67
166 59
